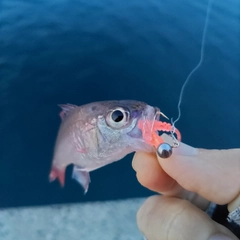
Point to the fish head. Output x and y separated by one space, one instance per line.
118 126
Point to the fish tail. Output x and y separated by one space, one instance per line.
59 174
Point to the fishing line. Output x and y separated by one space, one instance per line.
195 68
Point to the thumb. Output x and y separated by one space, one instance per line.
172 218
214 174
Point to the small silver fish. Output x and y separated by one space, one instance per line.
96 134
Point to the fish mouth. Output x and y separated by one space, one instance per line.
155 116
147 118
151 117
158 113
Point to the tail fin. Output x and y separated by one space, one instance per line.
59 174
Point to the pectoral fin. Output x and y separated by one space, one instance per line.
81 177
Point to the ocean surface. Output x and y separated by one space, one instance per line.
80 51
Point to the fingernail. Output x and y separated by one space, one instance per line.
220 236
185 150
182 149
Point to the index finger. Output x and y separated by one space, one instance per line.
214 174
152 176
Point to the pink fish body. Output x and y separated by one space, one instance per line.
96 134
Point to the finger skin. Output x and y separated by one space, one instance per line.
234 204
171 218
214 174
151 175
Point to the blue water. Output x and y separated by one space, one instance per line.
80 51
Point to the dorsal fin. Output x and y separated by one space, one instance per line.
66 109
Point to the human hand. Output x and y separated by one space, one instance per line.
198 175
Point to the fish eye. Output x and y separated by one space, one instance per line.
117 118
